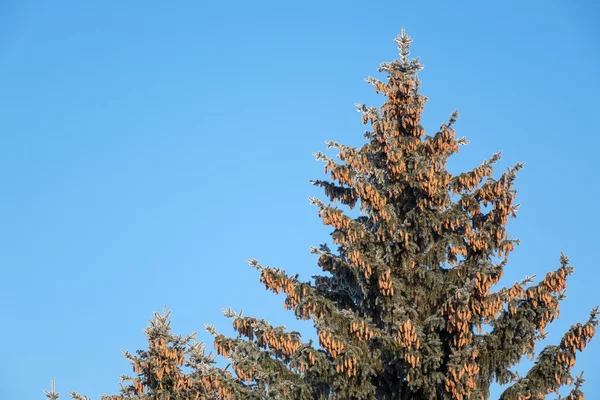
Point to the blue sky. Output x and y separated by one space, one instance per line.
148 149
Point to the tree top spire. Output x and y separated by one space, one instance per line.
403 41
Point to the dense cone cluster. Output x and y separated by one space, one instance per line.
407 306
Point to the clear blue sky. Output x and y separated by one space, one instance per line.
149 148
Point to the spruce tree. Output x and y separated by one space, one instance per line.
407 306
